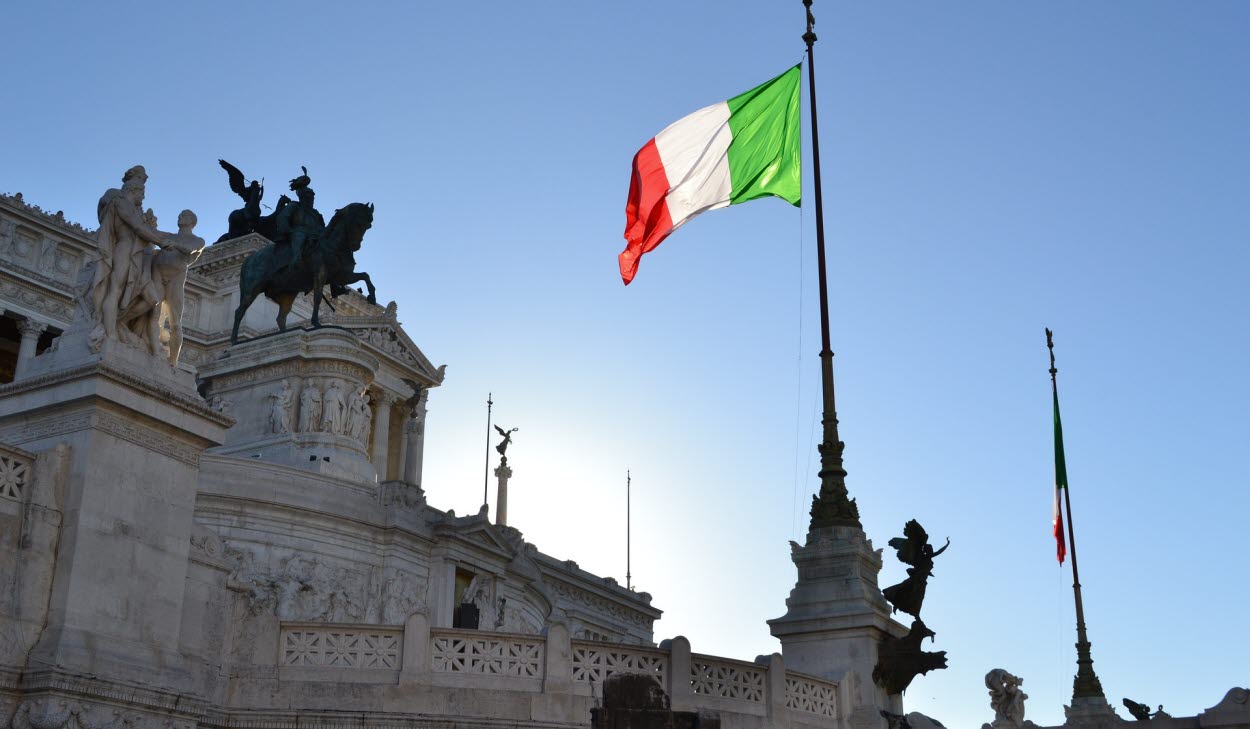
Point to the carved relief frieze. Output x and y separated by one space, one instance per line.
313 589
291 368
581 597
301 588
56 304
206 547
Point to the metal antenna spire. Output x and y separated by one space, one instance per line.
1086 683
628 483
832 507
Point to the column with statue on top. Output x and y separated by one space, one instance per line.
503 472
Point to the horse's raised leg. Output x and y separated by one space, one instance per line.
356 276
373 294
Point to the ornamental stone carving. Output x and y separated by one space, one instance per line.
1006 699
359 418
332 409
309 408
280 409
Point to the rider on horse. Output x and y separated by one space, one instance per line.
299 222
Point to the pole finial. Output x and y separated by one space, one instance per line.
810 36
1050 345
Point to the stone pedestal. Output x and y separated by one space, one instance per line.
135 430
323 374
1091 713
501 496
837 617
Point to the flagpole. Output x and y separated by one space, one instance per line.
486 468
628 482
1086 683
832 507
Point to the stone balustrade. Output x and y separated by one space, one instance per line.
745 694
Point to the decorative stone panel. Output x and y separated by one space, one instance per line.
488 654
331 647
709 677
812 696
15 472
594 663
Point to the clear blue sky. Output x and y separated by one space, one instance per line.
990 169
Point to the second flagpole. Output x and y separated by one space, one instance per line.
1086 684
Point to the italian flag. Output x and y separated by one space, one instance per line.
724 154
1061 483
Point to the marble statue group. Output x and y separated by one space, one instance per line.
134 292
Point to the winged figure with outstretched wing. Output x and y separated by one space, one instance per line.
243 220
507 440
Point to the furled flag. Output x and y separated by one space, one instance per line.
724 154
1061 482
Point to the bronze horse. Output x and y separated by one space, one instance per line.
274 271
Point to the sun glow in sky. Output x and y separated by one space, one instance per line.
989 169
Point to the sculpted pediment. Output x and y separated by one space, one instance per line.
477 531
387 338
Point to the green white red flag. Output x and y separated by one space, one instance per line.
1061 482
727 153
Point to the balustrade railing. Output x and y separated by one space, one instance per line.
554 663
491 654
350 647
595 662
711 676
812 695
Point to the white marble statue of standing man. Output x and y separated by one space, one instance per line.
122 232
159 286
280 409
309 408
169 269
358 418
332 409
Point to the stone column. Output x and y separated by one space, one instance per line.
414 438
30 330
382 435
501 496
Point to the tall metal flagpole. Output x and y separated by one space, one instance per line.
1086 683
628 482
832 507
486 468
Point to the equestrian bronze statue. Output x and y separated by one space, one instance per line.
306 256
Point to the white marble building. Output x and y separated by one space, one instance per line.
242 540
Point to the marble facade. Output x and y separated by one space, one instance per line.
241 539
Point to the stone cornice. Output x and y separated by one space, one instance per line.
192 403
56 220
227 254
